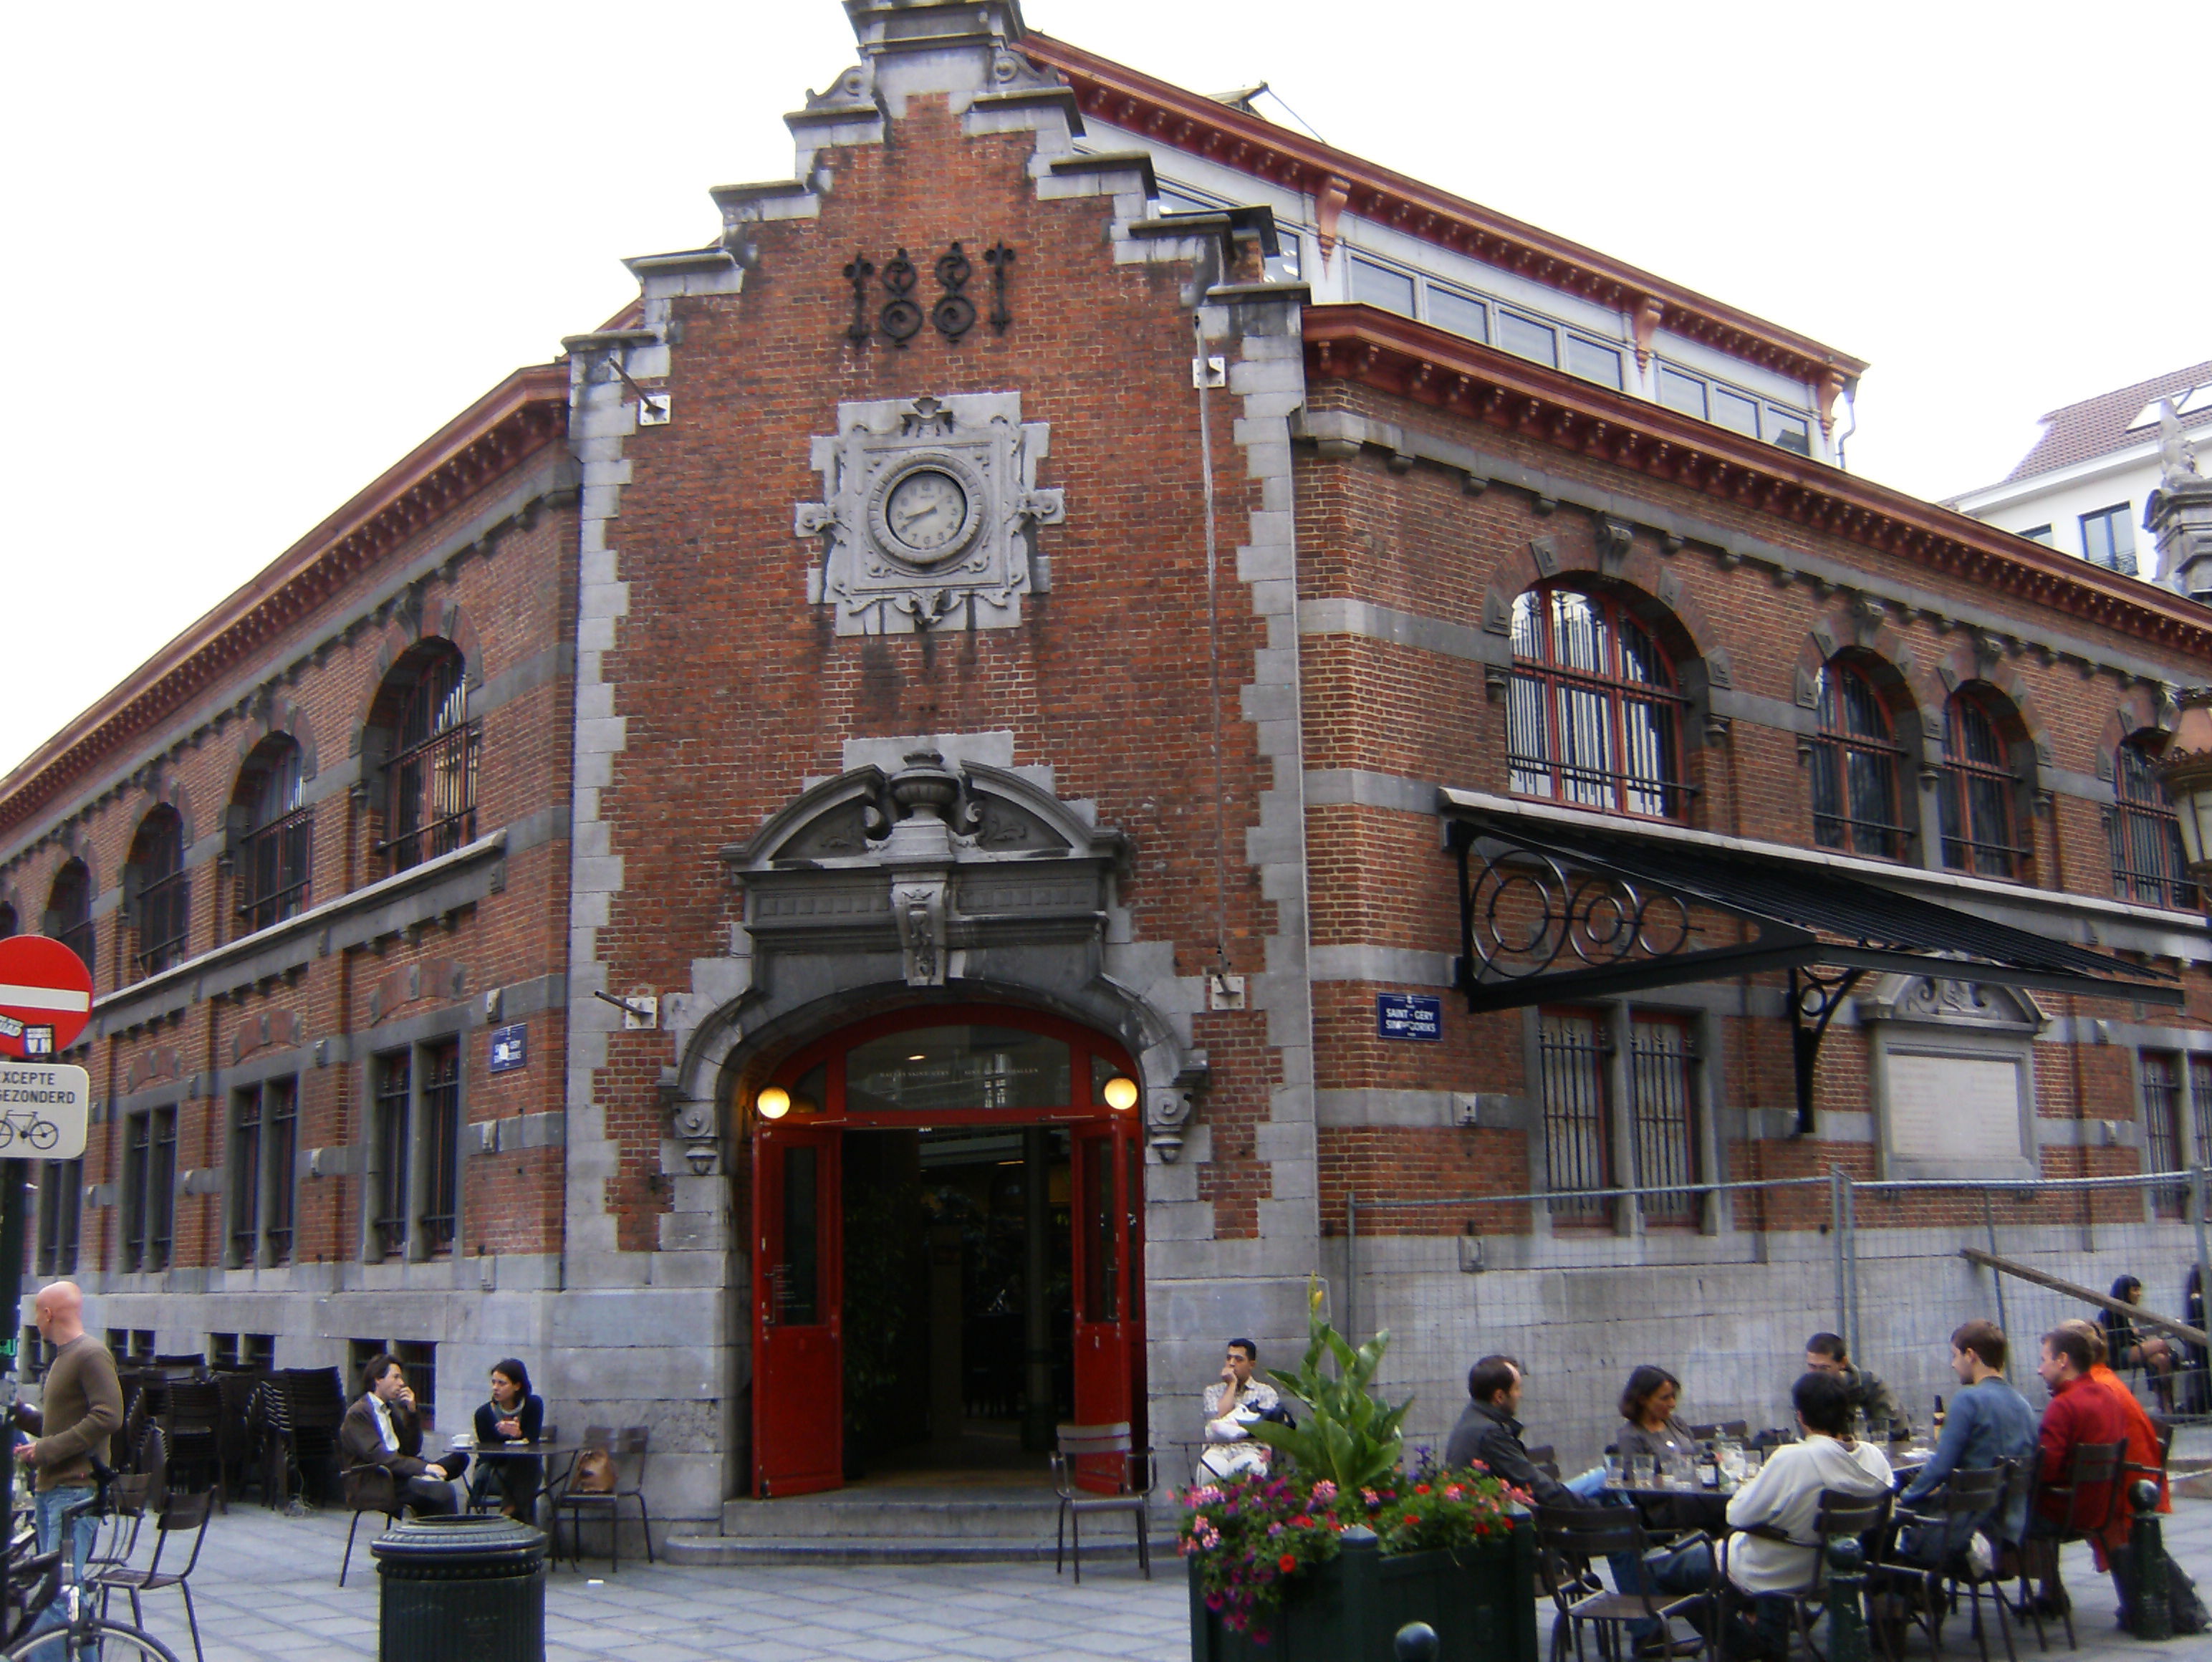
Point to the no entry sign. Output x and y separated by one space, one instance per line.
45 998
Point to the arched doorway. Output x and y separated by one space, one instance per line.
946 1232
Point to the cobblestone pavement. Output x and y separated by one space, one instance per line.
266 1589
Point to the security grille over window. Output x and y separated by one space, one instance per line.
246 1178
149 1190
8 924
1855 764
277 852
1593 716
163 891
1976 791
264 1119
1659 1060
2161 1103
2148 863
61 1199
69 911
441 1141
432 801
2200 1101
1576 1138
394 1100
280 1108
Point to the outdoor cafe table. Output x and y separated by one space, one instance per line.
1706 1509
549 1450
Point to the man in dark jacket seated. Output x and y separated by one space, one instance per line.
1489 1433
380 1447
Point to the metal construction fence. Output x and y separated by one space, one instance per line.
1893 1266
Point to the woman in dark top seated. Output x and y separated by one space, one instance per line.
2133 1348
513 1415
1648 1405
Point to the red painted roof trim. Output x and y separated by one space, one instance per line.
1411 359
515 420
1203 127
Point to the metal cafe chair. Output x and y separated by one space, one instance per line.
2092 1492
1570 1540
1927 1591
632 1444
179 1513
1839 1513
1096 1446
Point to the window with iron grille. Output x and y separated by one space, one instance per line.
137 1139
418 1359
69 911
8 924
1592 717
395 1091
280 1133
1577 1124
1659 1060
2162 1109
264 1120
431 800
1854 765
161 891
162 1192
61 1202
2148 863
441 1145
277 853
2200 1103
1976 793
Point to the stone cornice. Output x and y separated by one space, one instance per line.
1412 360
1134 102
515 420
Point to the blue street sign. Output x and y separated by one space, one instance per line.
1409 1016
510 1047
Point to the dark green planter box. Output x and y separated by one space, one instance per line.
1482 1606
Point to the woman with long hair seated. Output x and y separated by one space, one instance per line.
1647 1405
2130 1347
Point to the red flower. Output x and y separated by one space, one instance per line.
1288 1562
1421 1489
1412 1520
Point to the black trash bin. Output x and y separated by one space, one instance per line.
468 1589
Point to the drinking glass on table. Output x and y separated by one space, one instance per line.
1615 1469
1639 1470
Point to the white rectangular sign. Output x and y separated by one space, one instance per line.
45 1109
1956 1109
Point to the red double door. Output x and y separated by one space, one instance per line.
799 1365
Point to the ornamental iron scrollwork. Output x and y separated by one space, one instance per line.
900 318
1000 259
858 273
1524 914
954 314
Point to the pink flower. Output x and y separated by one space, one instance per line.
1324 1492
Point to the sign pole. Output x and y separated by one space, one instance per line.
12 1174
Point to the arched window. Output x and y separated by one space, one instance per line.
1977 792
69 911
2148 863
1592 717
158 891
1855 763
430 783
275 850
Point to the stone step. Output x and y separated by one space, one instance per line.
922 1512
1099 1544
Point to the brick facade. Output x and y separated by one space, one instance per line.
666 684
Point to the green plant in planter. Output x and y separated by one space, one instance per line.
1347 1434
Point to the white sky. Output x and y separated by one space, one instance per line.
258 251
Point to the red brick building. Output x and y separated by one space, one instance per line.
870 860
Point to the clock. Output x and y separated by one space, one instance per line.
925 512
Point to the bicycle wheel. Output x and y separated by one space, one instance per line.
44 1134
111 1641
7 1131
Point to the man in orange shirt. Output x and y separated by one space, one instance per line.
2143 1435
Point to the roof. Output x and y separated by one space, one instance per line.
1232 136
2108 423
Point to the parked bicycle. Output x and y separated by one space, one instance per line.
35 1580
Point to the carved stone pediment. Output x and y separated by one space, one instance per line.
1944 1001
930 861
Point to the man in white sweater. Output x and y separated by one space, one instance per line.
1781 1501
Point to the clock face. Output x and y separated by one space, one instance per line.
927 510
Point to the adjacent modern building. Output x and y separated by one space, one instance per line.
1092 710
2085 487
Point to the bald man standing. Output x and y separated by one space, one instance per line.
83 1408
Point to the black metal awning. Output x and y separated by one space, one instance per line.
1555 913
1565 913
